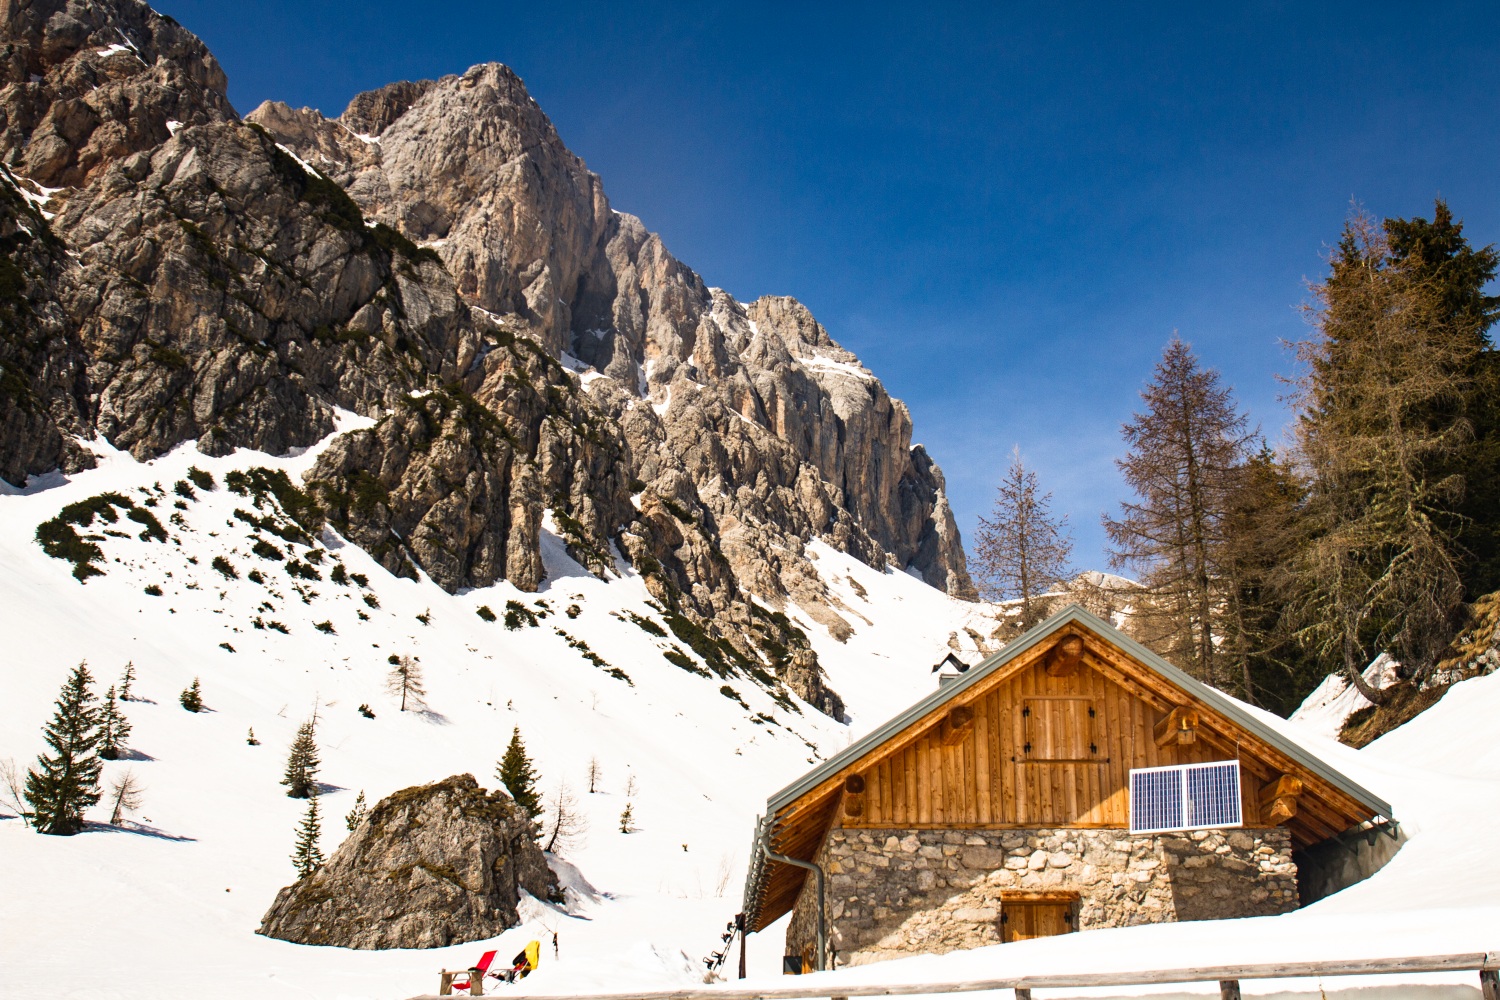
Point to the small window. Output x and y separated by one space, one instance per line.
1185 797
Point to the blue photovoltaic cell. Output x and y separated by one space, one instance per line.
1188 797
1213 795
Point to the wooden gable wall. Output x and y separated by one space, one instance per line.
1037 751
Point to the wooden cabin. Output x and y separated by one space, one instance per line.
1073 780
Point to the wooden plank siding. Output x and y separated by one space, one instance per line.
1043 752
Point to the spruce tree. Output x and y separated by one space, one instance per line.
126 680
302 764
67 782
306 857
1383 435
517 775
192 698
114 728
357 814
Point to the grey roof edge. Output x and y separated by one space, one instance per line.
1073 613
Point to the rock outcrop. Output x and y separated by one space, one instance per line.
430 866
437 261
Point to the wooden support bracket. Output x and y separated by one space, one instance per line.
1229 989
1278 799
1179 727
1063 659
956 726
854 796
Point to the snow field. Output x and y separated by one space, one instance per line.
171 905
167 906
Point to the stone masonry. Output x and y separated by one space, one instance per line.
893 893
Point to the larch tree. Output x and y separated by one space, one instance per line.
1183 452
66 782
405 682
127 793
566 824
1381 422
302 764
1022 549
518 776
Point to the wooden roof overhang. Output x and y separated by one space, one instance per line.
798 817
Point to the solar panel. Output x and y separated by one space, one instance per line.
1185 797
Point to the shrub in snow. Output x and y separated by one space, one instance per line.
67 780
200 478
192 698
484 612
225 567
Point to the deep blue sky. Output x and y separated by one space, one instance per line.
1005 211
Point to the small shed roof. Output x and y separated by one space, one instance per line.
786 801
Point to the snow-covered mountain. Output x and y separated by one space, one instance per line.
171 901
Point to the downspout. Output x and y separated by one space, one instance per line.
820 962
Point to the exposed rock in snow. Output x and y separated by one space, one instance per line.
430 866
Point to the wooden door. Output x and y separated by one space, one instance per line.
1022 920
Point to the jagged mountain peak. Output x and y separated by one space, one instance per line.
437 262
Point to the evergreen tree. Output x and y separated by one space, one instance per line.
1437 254
1024 550
302 764
627 818
357 814
306 856
114 728
517 775
67 782
127 679
1382 431
1184 450
250 738
192 697
405 682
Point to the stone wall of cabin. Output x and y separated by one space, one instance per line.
894 893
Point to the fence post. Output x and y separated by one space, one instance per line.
1023 993
1489 984
1229 989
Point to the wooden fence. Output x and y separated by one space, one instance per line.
1486 964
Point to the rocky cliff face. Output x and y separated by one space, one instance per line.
438 260
430 866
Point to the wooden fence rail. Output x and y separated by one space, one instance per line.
1487 964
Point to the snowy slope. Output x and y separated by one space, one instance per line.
174 904
168 907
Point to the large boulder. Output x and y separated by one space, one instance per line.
429 866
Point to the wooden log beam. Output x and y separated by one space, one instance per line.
956 726
1178 728
1278 799
1065 656
854 796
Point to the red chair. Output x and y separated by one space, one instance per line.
473 985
